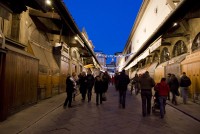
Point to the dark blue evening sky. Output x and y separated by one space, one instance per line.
108 23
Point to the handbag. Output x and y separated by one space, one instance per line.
177 93
104 97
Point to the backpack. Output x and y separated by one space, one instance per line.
185 82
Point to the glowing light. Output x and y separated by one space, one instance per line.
48 2
175 24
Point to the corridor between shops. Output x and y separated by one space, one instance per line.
50 117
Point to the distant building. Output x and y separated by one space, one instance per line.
118 59
101 57
111 68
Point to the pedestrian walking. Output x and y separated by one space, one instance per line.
185 82
123 81
146 83
90 84
106 80
174 85
163 91
116 81
70 88
98 89
167 80
83 85
135 83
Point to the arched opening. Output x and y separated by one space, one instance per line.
165 56
179 48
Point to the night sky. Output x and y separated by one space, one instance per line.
108 23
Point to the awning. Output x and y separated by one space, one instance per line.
155 44
133 63
177 59
132 74
89 66
45 57
152 68
39 53
143 70
143 55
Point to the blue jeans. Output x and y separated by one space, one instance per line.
162 103
184 92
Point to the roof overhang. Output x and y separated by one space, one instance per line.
179 13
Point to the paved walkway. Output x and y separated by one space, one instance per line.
49 116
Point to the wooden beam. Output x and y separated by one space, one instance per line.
49 15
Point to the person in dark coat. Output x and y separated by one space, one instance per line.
146 84
70 87
83 85
174 85
106 80
98 89
116 81
167 80
123 81
185 82
163 91
90 84
136 84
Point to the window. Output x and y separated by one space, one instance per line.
155 57
179 48
165 56
196 43
74 55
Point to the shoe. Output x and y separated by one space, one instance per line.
143 115
64 106
69 106
161 116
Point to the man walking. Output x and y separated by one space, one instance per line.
123 81
185 82
90 84
70 87
146 83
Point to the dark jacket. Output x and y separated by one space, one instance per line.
146 82
98 85
69 85
90 81
123 81
185 81
173 84
83 84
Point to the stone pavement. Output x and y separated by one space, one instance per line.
49 116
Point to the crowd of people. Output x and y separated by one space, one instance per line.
142 83
85 82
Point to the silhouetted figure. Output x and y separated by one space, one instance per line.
146 83
135 83
123 81
185 82
70 87
174 85
98 89
167 80
83 85
90 84
116 81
